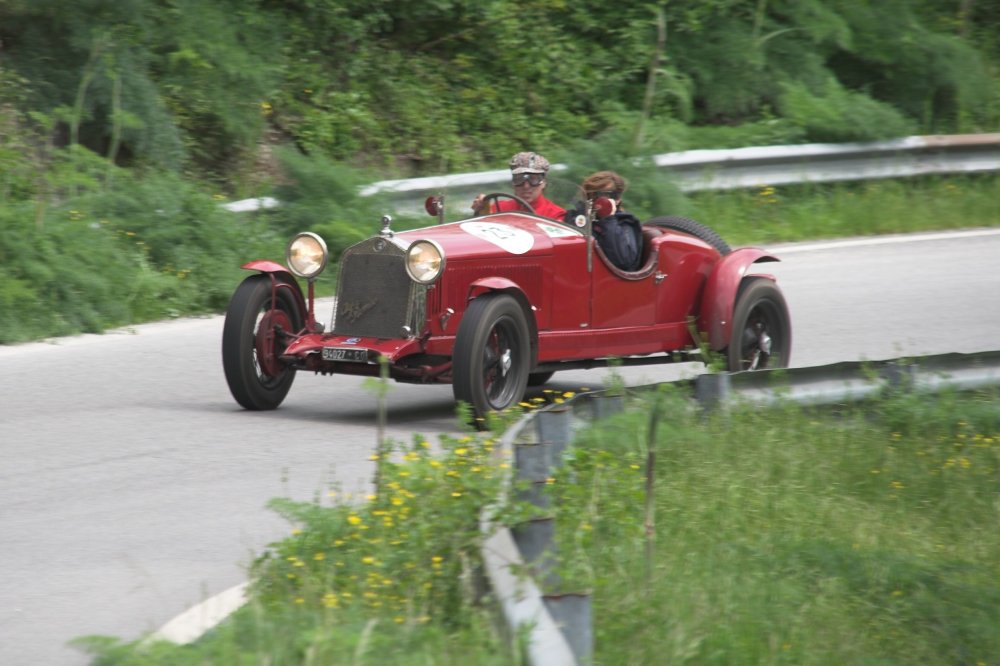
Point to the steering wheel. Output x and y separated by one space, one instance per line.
495 197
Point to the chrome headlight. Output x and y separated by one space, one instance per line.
307 255
424 261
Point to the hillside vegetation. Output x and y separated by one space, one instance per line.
124 123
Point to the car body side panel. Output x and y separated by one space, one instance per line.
622 341
569 307
544 259
616 302
686 263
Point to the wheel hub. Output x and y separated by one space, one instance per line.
506 360
266 343
760 347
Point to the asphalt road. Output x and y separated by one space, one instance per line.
133 487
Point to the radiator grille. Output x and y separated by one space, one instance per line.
375 296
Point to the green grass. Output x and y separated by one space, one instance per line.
856 535
861 536
389 578
811 212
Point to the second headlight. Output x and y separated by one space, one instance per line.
424 261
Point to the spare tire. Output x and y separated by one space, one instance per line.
689 226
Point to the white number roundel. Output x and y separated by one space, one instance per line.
507 238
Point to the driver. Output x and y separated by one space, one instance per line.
528 171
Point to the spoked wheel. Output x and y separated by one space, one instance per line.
492 200
253 340
762 330
492 354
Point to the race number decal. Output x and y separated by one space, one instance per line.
510 239
557 230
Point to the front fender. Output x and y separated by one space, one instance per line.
485 285
719 298
270 267
283 277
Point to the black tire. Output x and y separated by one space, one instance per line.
539 378
762 329
492 355
258 382
696 229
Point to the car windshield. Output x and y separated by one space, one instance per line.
458 194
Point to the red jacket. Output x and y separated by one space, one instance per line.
542 207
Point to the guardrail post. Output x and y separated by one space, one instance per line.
900 376
712 389
531 461
554 431
535 538
573 615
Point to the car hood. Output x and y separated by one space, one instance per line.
500 234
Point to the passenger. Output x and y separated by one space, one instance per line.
528 174
618 232
607 184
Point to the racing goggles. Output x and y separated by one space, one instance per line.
532 179
616 195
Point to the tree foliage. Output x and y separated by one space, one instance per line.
435 85
123 122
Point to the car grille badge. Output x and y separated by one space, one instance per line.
353 311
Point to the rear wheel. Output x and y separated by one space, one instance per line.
689 226
253 340
492 354
762 330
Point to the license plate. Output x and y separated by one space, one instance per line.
351 355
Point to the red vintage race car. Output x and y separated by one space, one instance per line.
495 303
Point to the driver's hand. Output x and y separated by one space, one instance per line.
477 203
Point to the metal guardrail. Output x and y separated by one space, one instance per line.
524 606
821 162
697 170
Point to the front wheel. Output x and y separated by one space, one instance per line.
253 338
762 329
492 354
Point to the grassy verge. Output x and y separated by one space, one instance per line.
391 578
810 212
857 535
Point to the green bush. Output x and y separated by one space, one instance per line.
839 115
108 248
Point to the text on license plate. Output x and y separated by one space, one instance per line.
340 354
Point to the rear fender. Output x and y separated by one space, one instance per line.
281 278
723 286
503 285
